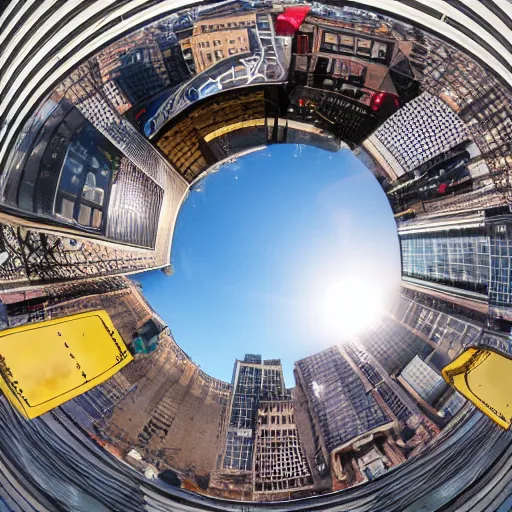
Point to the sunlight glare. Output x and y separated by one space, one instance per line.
350 306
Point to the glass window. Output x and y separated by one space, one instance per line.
84 184
347 41
379 50
331 38
363 47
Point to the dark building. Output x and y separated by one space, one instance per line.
168 40
79 179
349 79
141 73
353 428
393 345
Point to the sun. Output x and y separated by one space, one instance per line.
350 306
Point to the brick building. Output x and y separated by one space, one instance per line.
214 39
173 413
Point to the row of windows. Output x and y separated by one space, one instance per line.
229 24
447 259
355 45
238 452
218 42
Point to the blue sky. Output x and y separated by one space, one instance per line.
257 244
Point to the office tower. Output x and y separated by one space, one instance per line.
355 431
392 344
262 455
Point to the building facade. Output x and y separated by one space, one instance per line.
261 456
355 431
281 470
466 255
214 39
392 344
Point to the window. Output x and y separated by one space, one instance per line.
379 50
346 42
302 44
216 42
83 186
329 38
364 47
219 54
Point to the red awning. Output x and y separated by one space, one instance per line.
290 20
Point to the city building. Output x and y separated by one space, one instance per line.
449 252
261 457
232 123
141 73
68 216
444 326
350 74
281 470
215 39
166 408
424 128
393 344
465 255
423 380
355 432
89 202
194 141
253 380
452 80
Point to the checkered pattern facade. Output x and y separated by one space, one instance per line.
500 289
338 398
424 380
455 260
423 128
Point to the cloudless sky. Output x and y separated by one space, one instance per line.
257 244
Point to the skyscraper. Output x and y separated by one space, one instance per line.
280 467
262 457
355 430
465 255
393 345
253 380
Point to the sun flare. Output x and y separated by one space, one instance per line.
350 305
